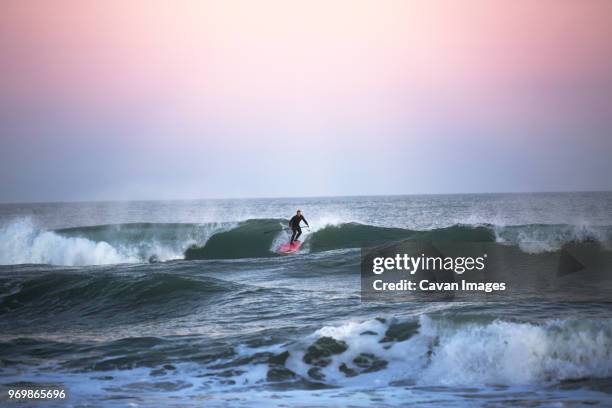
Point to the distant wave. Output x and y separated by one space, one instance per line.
22 242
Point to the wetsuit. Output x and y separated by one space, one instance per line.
294 223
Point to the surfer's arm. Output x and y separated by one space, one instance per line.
305 222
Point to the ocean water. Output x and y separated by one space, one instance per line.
186 303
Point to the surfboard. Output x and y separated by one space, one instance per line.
287 248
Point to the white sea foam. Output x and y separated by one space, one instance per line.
444 352
545 238
21 242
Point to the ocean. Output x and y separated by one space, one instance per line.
186 303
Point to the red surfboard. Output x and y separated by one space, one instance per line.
289 248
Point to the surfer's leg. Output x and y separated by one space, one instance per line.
299 232
293 236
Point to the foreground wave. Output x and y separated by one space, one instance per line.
428 350
21 242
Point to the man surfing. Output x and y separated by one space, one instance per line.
294 224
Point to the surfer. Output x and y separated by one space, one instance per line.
294 224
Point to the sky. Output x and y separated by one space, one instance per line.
152 99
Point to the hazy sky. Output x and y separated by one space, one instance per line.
194 99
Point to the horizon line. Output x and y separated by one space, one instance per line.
294 197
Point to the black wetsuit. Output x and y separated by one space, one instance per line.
294 223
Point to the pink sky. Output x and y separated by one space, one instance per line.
274 75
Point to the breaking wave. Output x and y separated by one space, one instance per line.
445 351
22 242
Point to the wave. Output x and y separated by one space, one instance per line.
21 242
444 351
110 295
259 238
